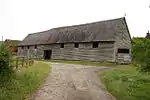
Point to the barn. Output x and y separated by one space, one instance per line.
103 41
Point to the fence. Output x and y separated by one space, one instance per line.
20 62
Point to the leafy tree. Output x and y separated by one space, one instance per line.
141 53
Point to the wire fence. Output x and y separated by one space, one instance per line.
19 62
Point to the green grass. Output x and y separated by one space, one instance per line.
25 82
127 84
87 63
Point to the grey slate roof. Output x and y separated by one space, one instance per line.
90 32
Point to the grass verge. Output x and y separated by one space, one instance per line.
87 63
24 82
126 84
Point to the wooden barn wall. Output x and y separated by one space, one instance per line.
123 41
85 52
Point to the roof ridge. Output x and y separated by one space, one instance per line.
102 30
39 32
77 25
90 23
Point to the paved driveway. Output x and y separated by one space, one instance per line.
72 82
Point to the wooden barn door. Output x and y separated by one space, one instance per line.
47 54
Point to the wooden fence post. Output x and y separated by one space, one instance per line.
26 61
22 62
29 62
16 63
32 61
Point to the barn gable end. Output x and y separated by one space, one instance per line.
123 43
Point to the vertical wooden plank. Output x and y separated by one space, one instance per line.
23 62
16 63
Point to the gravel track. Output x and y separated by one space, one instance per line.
72 82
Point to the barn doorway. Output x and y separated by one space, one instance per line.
47 54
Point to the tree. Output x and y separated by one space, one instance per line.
5 62
141 53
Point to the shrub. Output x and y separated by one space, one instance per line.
141 53
5 63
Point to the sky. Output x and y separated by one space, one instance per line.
18 18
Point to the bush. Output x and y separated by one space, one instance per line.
5 63
141 53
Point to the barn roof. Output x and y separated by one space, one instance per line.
90 32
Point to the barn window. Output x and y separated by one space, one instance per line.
22 47
62 45
35 47
28 47
123 50
95 45
76 45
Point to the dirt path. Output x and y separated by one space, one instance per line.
72 82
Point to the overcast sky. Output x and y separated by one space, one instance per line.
21 17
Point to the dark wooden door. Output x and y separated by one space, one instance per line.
47 54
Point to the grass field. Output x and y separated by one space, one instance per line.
127 84
24 82
87 63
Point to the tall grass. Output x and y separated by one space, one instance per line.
24 82
127 84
